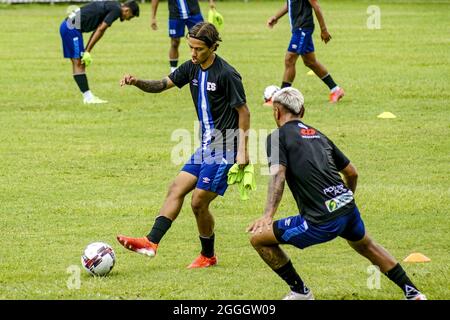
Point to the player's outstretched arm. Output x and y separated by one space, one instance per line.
151 86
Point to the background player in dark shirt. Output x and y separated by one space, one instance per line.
311 163
220 103
302 25
96 16
182 14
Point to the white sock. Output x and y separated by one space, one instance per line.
334 89
88 95
172 69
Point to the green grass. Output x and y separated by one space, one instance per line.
72 174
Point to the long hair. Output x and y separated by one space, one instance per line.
206 32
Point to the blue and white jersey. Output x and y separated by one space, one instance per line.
216 92
300 14
183 9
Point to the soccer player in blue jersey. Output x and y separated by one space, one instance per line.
302 26
220 103
97 17
311 165
182 14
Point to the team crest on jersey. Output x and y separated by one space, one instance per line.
210 86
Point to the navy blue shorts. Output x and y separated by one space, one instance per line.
301 41
298 232
177 26
72 41
211 170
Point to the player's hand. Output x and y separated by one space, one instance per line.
242 158
128 79
86 58
154 24
325 36
260 225
272 21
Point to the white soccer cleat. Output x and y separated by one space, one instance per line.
419 296
94 100
298 296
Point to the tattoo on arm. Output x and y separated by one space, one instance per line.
275 192
152 86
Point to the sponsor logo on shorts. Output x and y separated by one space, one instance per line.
339 201
287 222
206 180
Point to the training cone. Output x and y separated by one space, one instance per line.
387 115
310 73
416 257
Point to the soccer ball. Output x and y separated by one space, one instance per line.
269 92
98 259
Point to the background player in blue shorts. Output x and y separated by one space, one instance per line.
302 25
96 16
182 14
220 102
310 164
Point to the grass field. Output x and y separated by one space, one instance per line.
72 174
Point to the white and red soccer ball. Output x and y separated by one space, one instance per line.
98 259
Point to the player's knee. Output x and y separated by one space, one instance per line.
309 63
175 191
255 241
175 43
365 246
198 206
289 62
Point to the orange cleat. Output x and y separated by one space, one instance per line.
336 95
139 245
202 262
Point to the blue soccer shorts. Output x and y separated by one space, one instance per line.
211 169
298 232
177 26
301 41
72 40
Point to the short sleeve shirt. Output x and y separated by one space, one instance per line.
312 164
93 14
216 92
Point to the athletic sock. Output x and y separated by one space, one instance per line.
329 81
291 277
82 82
159 229
173 64
285 84
399 277
207 246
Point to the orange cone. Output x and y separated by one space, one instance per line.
416 257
